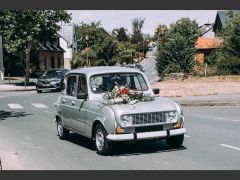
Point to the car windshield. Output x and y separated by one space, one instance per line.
105 82
53 73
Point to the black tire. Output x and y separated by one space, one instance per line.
63 133
105 147
175 141
39 91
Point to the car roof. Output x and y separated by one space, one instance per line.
102 70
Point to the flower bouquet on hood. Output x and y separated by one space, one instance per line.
124 95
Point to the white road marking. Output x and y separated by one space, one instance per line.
39 105
228 146
48 112
186 135
15 106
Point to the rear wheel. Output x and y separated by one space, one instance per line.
62 131
103 146
175 141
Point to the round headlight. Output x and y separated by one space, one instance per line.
126 120
171 116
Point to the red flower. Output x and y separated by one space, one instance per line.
123 91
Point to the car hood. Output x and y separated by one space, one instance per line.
157 105
49 77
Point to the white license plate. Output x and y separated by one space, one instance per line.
47 90
45 85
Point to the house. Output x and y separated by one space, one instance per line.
57 54
205 45
220 21
68 42
51 56
206 30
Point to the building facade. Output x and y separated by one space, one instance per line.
68 42
51 56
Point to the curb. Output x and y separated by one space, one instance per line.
13 90
208 103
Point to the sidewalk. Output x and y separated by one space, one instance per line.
5 86
209 100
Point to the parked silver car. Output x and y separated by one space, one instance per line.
81 108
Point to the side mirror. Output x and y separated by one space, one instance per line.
82 96
156 91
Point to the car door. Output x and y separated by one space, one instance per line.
67 98
79 106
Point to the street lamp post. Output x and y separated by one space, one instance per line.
162 31
87 38
1 60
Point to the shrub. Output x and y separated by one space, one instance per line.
172 68
229 65
15 70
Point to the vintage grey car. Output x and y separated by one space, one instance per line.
81 109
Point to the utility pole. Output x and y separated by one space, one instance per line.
1 59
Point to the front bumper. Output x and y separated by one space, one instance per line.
146 135
49 87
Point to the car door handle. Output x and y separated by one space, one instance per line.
73 103
64 100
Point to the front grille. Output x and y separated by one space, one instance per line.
149 118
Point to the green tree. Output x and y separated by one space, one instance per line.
158 31
83 58
121 35
23 29
98 39
178 51
137 24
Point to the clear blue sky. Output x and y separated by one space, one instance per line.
114 19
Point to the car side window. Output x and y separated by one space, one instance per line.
71 85
82 85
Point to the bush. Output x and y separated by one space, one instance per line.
172 68
199 70
229 65
15 70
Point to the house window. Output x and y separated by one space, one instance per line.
52 63
59 62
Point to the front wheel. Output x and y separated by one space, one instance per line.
62 131
175 141
103 146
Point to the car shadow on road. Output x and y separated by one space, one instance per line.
8 114
126 148
81 141
143 147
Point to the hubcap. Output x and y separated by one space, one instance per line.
99 139
60 128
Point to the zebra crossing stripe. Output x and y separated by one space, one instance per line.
39 105
15 106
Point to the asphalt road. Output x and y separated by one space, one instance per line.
28 140
149 65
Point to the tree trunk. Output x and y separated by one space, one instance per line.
27 61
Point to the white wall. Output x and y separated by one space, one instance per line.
67 53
